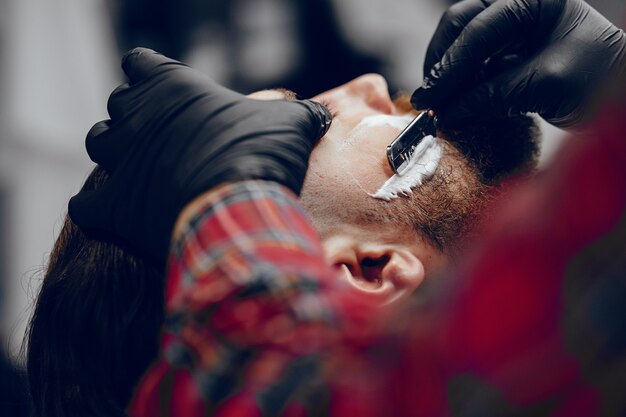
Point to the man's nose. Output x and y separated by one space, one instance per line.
374 90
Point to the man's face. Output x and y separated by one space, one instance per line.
362 237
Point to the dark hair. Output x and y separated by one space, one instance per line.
95 327
498 148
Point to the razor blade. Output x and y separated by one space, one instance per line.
400 151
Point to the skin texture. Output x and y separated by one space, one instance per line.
348 163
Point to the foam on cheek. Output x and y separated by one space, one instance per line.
354 168
422 166
398 122
374 121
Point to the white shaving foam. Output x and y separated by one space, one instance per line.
422 166
398 122
378 120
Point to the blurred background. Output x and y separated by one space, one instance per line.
60 60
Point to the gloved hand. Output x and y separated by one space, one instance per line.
497 58
175 134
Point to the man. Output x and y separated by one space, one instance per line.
387 248
257 324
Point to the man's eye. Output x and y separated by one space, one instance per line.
333 111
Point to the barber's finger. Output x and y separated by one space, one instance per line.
106 145
452 23
119 103
317 121
141 63
480 103
499 25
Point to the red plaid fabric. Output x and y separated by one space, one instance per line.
258 325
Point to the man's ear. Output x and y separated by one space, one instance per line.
405 271
388 273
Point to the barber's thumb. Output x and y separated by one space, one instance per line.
427 96
141 63
319 120
422 99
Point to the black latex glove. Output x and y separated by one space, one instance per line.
497 58
175 134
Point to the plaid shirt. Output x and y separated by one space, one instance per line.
253 310
258 325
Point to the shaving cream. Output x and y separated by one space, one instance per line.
398 122
422 166
373 121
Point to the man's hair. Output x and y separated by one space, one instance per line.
95 327
496 148
477 161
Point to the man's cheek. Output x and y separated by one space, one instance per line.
365 172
